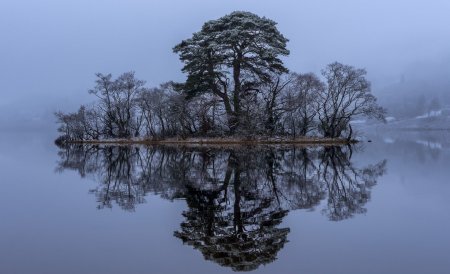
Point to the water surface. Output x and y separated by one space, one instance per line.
379 207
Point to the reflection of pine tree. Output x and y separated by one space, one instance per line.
232 225
243 251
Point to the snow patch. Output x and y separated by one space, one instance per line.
430 114
390 119
361 121
432 145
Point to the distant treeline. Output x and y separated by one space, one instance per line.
236 85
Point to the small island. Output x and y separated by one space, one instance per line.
237 91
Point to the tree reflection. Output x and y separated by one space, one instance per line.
236 197
234 222
348 188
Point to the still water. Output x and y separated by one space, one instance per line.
379 207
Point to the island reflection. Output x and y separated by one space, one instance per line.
236 197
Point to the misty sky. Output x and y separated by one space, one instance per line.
50 50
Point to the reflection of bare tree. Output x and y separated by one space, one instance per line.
348 187
296 176
84 159
119 183
236 198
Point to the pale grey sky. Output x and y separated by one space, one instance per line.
50 49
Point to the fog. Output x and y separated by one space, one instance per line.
50 50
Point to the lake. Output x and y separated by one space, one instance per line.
378 207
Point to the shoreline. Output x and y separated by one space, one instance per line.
222 141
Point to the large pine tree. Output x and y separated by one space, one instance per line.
232 56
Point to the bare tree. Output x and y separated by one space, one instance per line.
299 101
117 102
92 122
275 105
346 96
71 125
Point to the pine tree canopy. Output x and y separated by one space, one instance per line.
232 53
